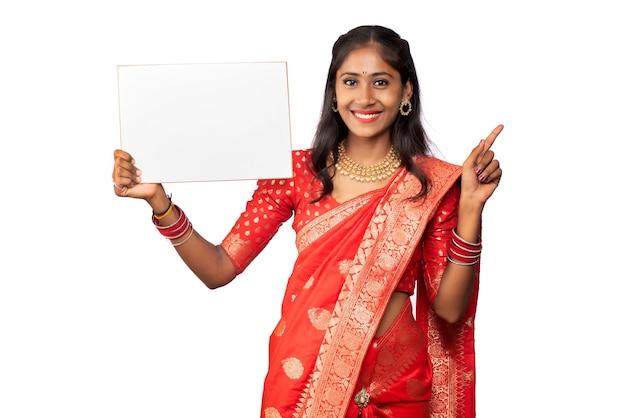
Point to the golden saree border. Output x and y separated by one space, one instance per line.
325 222
390 240
451 351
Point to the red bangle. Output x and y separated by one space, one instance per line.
463 252
469 246
462 263
177 229
182 232
179 243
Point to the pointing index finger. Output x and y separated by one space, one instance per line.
492 137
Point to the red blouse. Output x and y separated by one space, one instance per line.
275 201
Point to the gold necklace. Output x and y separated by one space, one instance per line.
375 172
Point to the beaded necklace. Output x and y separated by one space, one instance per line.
375 172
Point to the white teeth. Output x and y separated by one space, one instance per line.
365 115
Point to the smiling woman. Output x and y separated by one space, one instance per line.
377 219
368 93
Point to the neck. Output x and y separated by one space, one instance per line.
366 152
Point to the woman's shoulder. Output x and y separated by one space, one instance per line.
301 154
301 160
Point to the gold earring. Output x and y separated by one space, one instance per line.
333 105
405 107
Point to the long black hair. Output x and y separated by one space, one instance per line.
407 132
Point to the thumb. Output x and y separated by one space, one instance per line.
475 155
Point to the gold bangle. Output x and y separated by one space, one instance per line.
164 214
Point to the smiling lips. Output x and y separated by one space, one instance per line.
366 117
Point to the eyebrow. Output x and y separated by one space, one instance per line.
378 74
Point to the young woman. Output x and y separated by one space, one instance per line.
377 219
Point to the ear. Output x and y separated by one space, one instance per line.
407 91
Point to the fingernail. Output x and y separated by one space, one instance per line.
478 170
481 178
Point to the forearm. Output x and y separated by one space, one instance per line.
457 282
208 262
479 179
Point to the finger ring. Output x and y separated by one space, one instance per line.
117 187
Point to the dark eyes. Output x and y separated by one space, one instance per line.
352 82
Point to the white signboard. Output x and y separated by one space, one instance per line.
206 122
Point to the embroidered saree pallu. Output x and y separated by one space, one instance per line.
350 259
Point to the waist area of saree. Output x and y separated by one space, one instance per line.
395 378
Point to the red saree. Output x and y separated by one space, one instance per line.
351 258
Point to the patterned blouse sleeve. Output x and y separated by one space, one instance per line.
271 205
436 239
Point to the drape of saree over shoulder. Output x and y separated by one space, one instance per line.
350 260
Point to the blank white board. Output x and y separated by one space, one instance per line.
206 122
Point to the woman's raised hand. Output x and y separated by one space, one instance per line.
127 178
481 172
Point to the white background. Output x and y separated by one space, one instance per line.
98 316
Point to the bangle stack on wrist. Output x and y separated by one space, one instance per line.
462 252
182 227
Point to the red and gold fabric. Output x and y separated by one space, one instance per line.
351 257
396 373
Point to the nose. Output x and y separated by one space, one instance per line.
365 95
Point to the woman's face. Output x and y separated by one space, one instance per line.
369 92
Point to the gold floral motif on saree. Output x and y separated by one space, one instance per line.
319 318
293 367
271 413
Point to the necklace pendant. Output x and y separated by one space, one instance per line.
362 398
